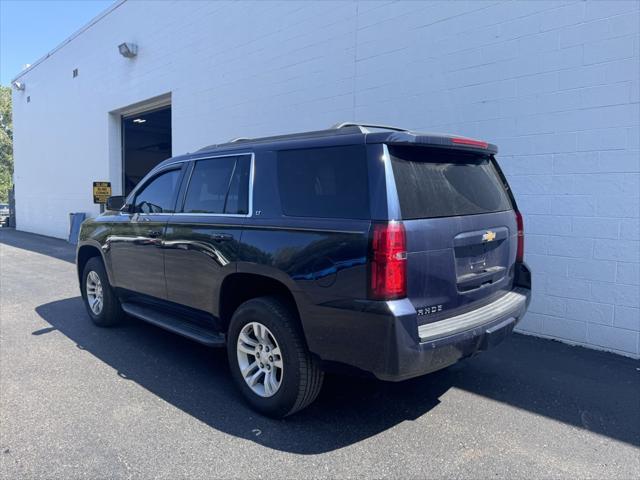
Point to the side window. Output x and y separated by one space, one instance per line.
324 182
238 196
219 185
158 195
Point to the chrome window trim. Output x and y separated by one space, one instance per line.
177 162
169 166
200 214
251 181
393 200
164 214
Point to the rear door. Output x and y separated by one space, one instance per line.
460 226
202 238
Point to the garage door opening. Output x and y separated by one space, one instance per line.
146 141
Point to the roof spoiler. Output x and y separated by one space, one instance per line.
453 142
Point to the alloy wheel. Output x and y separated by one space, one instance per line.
95 297
260 359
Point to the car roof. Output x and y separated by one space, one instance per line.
342 134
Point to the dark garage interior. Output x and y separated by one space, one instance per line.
146 141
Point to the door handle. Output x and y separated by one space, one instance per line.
221 237
154 233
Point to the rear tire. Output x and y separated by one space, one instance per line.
266 325
100 300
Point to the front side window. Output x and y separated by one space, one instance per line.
324 182
219 185
158 196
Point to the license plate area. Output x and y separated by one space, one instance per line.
481 258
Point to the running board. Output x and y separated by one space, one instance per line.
175 324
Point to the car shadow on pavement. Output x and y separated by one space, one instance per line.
588 389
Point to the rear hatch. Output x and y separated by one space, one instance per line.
461 229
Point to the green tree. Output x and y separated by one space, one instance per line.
6 144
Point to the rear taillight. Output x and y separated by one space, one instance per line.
388 261
520 250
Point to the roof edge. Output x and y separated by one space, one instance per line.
73 36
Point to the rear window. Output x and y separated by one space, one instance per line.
324 182
437 183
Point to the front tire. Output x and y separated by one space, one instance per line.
99 298
269 359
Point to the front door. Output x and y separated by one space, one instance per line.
135 245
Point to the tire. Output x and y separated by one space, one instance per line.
300 378
110 313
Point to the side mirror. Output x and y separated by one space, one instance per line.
115 202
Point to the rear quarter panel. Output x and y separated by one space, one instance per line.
324 265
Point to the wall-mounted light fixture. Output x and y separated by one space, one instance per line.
128 50
18 85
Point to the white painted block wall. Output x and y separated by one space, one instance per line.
554 84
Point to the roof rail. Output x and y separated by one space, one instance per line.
345 128
289 136
363 126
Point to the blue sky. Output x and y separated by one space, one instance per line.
29 29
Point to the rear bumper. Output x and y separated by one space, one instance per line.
508 307
383 339
445 342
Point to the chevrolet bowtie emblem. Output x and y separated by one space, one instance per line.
489 236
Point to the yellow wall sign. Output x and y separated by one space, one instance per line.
101 191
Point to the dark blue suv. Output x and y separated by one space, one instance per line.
361 248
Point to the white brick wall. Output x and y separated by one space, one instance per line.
554 84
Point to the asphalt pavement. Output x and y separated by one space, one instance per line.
78 401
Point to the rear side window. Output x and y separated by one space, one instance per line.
324 182
436 183
219 185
